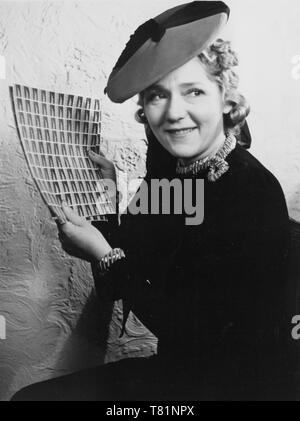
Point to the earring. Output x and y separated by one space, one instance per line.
141 116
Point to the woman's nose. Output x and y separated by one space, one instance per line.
176 109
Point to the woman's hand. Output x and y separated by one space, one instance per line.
81 239
108 172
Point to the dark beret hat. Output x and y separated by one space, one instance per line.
163 44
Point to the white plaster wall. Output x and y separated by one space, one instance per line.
54 324
267 36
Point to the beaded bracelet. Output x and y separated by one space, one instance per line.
109 259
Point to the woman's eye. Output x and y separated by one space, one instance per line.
196 92
155 96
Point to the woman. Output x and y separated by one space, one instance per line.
212 293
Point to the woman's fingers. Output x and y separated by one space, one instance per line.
60 221
100 160
72 216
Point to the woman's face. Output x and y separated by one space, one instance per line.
185 112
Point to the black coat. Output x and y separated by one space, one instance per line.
213 294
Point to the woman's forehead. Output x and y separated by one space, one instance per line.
191 73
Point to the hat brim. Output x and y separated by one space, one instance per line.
153 60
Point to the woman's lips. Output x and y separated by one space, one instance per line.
180 132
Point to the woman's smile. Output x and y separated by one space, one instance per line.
180 133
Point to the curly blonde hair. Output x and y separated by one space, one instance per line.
218 60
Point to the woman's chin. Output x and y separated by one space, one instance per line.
183 153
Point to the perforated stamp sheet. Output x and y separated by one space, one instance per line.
56 131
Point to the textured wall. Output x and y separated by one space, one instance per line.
54 324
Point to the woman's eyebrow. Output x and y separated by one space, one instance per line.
189 84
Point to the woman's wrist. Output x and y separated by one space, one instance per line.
109 259
101 252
